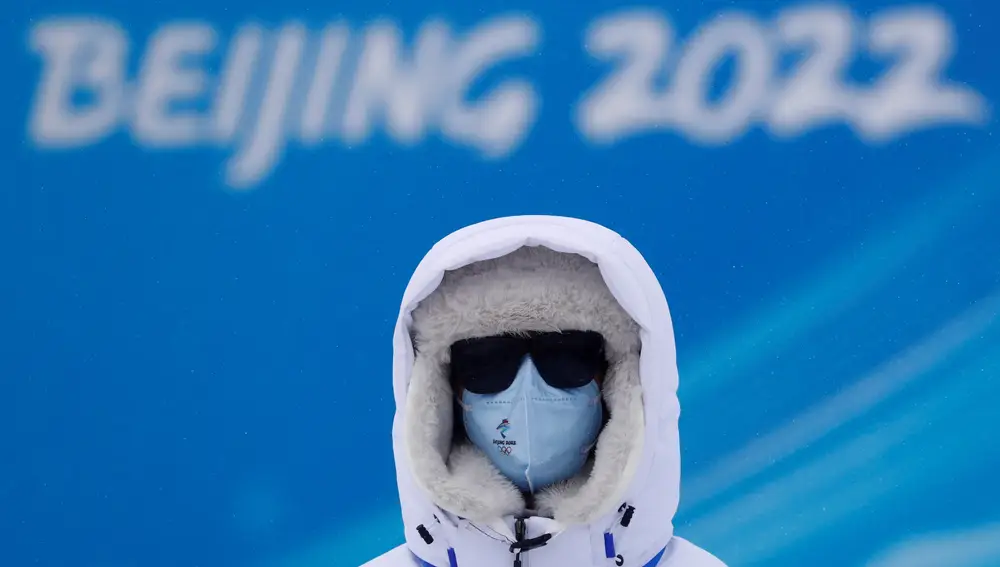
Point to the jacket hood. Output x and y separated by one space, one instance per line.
536 273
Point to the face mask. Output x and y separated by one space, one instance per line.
534 433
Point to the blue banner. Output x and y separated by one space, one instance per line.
212 210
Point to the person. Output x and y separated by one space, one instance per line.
535 383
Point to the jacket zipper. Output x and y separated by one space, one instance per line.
519 533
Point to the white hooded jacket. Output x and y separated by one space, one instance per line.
538 273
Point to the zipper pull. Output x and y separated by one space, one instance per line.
519 533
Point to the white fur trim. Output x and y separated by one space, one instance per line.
530 289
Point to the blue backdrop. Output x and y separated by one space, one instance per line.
211 210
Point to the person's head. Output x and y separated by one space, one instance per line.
536 358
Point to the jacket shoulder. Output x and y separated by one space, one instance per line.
398 557
683 553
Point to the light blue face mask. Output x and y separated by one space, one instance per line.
535 434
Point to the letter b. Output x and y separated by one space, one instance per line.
80 56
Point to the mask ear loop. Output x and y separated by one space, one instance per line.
500 527
458 409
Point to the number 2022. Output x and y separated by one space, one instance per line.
909 95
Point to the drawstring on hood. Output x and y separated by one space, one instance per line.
527 274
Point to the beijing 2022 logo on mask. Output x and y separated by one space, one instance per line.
504 445
333 84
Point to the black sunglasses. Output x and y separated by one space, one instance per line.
565 360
